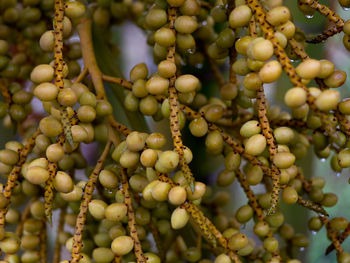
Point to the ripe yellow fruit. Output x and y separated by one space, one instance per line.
37 175
295 97
42 73
46 91
179 218
270 72
186 83
116 211
309 68
255 145
327 100
240 16
122 245
177 195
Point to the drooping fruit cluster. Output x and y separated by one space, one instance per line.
126 193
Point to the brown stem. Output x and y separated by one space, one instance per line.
82 75
13 176
86 198
332 235
122 82
272 147
59 63
84 31
174 108
49 191
312 206
333 30
250 196
131 218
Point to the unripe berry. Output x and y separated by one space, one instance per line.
156 18
139 71
198 127
284 160
47 41
46 91
295 97
255 145
166 69
97 209
222 258
271 244
186 83
165 37
278 15
240 16
327 100
116 211
308 69
260 49
327 68
336 79
122 245
63 182
270 72
157 85
177 195
250 128
74 9
185 24
289 195
42 73
179 218
238 241
37 175
160 191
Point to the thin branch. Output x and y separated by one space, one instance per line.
332 234
49 191
13 176
272 147
59 63
122 82
131 218
82 75
250 196
86 198
174 108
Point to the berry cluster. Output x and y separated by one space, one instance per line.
139 200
